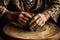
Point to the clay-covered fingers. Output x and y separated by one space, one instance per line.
24 17
38 22
26 14
35 24
34 19
22 22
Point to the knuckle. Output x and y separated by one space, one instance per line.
21 15
22 12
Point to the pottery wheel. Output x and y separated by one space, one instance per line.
52 31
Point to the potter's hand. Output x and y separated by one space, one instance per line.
24 17
38 20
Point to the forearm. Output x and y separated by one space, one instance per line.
54 10
9 15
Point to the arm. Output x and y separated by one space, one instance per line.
21 17
9 15
52 11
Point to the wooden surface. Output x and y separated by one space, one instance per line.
51 32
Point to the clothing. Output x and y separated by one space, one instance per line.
34 6
49 31
29 0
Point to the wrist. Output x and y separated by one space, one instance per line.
46 14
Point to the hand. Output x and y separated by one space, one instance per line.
24 18
38 20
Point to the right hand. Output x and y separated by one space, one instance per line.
24 18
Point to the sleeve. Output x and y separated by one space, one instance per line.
54 9
3 6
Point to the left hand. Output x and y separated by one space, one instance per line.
24 18
38 21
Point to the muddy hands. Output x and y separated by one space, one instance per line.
33 21
24 18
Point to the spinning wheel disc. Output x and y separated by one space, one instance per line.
52 31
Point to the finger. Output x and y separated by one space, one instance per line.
34 19
43 22
35 24
27 14
25 18
32 26
22 23
21 19
38 25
